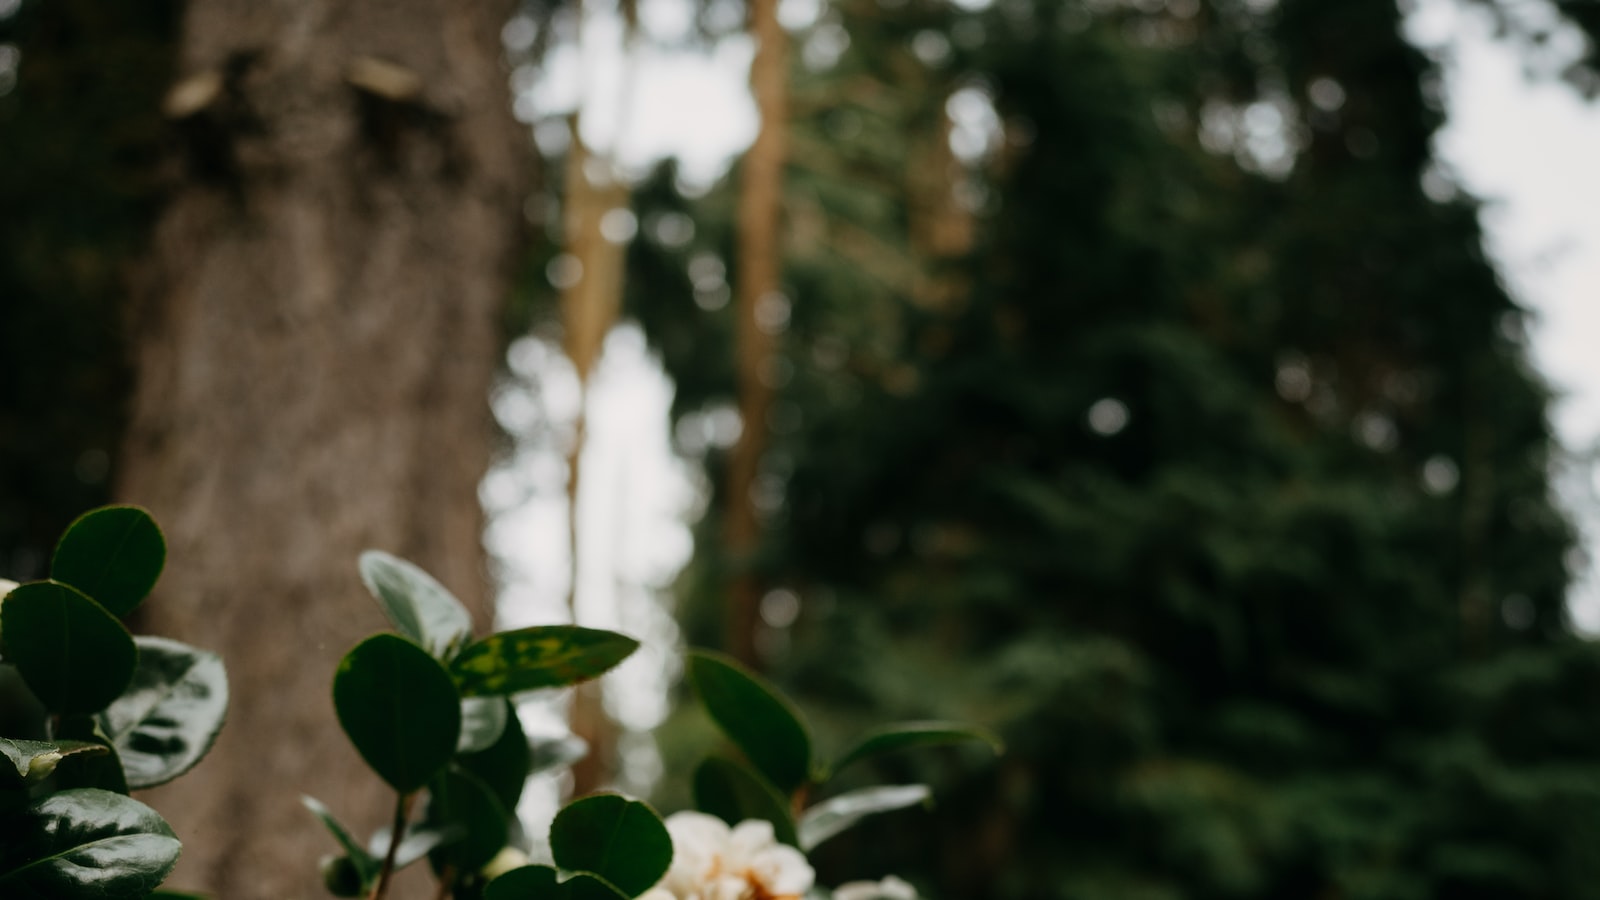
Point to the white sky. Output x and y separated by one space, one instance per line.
1530 146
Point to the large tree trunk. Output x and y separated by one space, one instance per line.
314 360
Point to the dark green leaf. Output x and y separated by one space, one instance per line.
836 814
733 793
366 864
102 771
75 656
86 843
758 719
36 760
21 713
114 554
170 713
419 606
400 709
915 734
623 841
505 766
483 721
177 895
544 883
459 800
540 657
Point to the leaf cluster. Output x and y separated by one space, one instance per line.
776 769
89 712
430 709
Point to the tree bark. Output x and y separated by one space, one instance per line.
760 262
314 352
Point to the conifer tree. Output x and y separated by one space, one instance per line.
1221 488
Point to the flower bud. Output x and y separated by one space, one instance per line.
340 877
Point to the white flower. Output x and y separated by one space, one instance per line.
711 861
890 888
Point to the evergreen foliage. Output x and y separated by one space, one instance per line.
1216 482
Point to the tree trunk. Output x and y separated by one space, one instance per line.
760 262
313 358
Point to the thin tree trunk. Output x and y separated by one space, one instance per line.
313 359
589 308
760 266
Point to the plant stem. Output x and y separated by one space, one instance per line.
447 883
397 832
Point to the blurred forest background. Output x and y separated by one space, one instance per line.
1116 373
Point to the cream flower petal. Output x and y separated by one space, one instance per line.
711 861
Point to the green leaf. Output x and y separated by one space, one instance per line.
836 814
540 657
623 841
114 554
177 895
419 606
758 719
169 716
366 864
915 734
21 713
86 843
36 760
75 656
733 793
506 765
457 799
483 721
86 770
400 709
544 883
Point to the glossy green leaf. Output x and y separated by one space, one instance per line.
419 606
544 883
169 716
458 799
483 721
86 843
906 735
34 761
366 864
755 716
75 656
114 554
733 793
544 656
623 841
400 709
834 815
506 765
